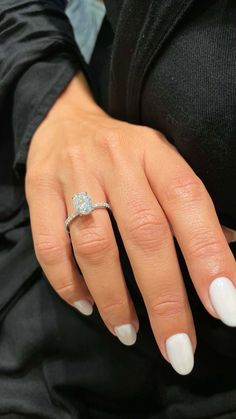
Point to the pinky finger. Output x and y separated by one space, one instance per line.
53 248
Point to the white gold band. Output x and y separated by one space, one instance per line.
83 206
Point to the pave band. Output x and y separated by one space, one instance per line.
83 206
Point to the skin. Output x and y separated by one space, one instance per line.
154 195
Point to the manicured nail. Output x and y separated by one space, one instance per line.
180 353
84 306
223 297
126 333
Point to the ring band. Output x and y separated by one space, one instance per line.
83 206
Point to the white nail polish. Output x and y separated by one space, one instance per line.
126 333
84 306
223 297
180 353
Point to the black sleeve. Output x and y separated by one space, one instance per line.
38 58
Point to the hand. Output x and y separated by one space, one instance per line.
154 195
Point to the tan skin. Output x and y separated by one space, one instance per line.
154 195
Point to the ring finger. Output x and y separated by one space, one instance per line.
97 255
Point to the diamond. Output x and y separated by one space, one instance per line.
83 203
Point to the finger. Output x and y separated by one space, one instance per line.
150 248
52 244
230 234
193 218
97 254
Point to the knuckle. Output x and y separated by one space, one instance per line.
93 243
146 229
116 306
108 139
73 155
167 307
31 180
155 136
66 291
30 177
40 179
186 189
205 244
48 250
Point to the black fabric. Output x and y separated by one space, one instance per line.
150 29
189 91
38 57
195 106
54 362
33 35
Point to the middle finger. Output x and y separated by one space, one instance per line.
150 247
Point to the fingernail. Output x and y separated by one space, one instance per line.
223 297
126 333
180 353
84 306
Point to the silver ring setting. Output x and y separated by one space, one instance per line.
83 206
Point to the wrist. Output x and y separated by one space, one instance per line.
76 99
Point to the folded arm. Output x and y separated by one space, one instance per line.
38 58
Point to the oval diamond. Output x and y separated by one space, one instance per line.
83 203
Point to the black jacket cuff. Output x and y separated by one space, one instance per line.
34 96
38 58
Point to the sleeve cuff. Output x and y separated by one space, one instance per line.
35 94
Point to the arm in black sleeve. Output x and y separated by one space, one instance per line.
38 58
